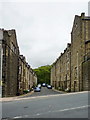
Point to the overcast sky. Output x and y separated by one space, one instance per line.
43 28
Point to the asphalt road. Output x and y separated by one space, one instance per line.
44 91
51 106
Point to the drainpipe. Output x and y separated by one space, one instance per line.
1 54
78 79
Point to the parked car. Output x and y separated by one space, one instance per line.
44 84
49 86
37 89
39 85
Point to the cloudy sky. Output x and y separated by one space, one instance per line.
43 27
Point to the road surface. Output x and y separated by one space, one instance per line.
44 91
73 105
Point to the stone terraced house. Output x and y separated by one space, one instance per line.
71 71
27 77
14 70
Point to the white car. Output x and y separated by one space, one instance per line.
39 85
49 86
44 84
37 89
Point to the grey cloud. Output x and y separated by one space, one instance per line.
43 29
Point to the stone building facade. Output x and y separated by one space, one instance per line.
14 70
80 50
9 62
61 70
73 69
26 77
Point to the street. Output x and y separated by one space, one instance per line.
44 91
73 105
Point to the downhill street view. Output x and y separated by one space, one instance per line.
44 60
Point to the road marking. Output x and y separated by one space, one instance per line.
62 110
38 114
17 117
26 115
81 107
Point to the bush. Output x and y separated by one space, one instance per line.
67 90
25 91
31 89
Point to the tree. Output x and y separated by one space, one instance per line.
43 74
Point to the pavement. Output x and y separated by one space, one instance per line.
24 96
15 98
59 90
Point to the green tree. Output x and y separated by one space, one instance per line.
43 74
